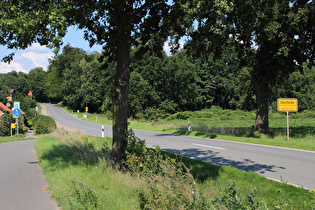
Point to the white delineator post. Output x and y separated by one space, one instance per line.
103 131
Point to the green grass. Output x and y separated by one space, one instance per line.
114 189
9 139
75 177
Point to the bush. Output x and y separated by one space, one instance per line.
181 115
232 199
152 114
5 123
43 124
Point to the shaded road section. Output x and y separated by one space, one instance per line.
296 167
22 183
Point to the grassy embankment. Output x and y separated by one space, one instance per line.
237 127
79 174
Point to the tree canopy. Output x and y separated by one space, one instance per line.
271 38
115 24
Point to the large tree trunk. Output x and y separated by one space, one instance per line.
261 122
120 100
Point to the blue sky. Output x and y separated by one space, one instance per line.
37 56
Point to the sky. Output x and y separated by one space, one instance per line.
37 56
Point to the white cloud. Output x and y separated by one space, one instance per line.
26 60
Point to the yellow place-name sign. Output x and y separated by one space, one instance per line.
287 105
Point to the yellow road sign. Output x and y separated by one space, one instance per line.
86 109
287 105
12 125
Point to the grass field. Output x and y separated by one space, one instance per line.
79 174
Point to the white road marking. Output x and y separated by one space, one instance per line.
201 145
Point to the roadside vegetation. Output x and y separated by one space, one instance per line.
78 170
43 124
232 125
9 139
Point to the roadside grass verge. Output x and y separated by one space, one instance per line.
9 139
78 170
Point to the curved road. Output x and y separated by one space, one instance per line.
293 166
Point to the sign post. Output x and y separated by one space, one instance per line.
16 113
12 127
287 105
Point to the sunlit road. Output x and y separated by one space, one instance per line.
296 167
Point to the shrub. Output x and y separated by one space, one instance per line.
152 114
140 159
169 183
181 115
43 124
175 188
231 199
84 197
5 122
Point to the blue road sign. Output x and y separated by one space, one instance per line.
17 112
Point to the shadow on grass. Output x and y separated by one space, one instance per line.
61 156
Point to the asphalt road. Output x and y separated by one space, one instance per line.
22 183
293 166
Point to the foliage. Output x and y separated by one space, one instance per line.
5 124
36 80
140 159
301 86
28 105
149 98
169 183
262 41
214 113
43 124
231 199
85 198
271 39
174 189
117 25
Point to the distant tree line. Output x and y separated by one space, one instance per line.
159 84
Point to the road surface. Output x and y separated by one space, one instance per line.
296 167
22 183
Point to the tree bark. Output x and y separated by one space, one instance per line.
120 100
262 117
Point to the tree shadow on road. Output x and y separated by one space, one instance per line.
216 159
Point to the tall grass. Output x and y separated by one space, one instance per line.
80 174
78 170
